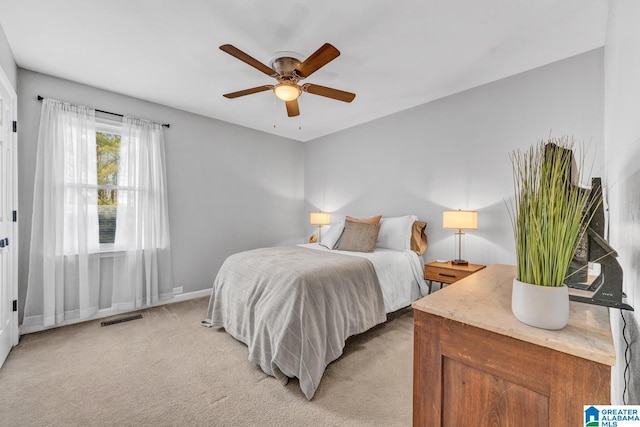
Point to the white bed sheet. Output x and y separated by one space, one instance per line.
400 274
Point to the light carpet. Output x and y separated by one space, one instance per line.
167 370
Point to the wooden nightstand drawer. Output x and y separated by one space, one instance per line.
442 274
446 272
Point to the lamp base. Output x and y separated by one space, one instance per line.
459 262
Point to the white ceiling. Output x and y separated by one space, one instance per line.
394 54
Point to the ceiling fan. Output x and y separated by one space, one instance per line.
289 70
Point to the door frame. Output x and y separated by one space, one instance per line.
12 293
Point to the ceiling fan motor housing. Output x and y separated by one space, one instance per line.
285 66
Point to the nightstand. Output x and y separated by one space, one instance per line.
445 272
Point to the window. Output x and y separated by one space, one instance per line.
108 137
85 163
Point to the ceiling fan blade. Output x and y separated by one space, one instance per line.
340 95
318 59
247 91
237 53
292 108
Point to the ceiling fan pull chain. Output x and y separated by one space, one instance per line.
273 110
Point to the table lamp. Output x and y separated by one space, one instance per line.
319 219
460 220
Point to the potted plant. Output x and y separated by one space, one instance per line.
549 217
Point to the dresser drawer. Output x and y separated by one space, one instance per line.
443 274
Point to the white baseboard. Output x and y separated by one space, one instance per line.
107 312
192 295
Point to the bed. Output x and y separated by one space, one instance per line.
295 306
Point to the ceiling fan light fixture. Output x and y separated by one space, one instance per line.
287 91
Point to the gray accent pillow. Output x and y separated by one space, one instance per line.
358 237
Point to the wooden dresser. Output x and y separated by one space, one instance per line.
475 364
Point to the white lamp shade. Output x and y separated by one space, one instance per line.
287 91
461 220
319 218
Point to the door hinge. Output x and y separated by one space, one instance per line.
15 305
15 216
15 126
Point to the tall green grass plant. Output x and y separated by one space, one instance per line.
549 214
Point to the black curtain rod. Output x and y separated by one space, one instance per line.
167 125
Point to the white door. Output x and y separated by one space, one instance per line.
8 220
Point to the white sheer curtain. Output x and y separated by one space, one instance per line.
142 267
63 274
71 276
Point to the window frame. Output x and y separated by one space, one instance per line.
105 125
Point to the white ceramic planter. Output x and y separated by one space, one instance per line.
544 307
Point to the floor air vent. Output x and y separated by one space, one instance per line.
121 320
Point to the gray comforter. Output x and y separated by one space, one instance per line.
295 307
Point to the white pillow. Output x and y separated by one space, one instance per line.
395 232
332 235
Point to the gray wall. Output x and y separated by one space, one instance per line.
230 188
453 153
622 153
7 62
